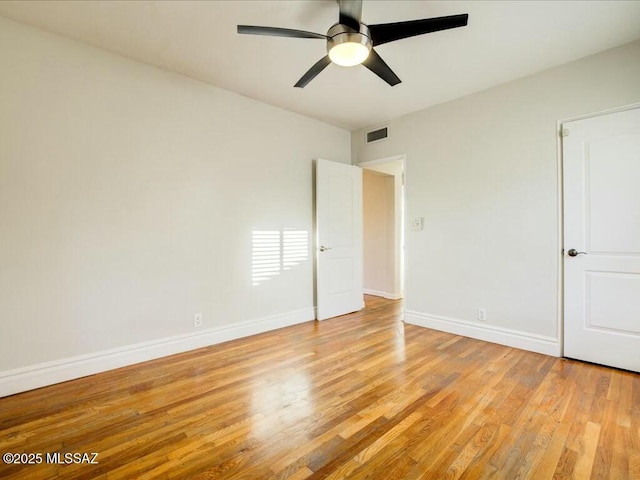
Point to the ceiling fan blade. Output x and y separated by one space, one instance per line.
378 66
350 13
313 71
390 32
278 32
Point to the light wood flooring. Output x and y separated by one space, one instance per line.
359 396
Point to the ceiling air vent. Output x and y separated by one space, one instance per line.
377 135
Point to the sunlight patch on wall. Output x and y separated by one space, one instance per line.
274 251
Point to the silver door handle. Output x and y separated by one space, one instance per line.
574 253
323 248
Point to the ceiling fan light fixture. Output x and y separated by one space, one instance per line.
348 54
347 47
350 42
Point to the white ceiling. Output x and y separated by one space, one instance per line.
504 40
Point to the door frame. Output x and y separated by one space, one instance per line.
560 167
403 159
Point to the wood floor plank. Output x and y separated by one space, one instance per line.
586 455
362 396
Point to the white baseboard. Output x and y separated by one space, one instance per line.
41 375
377 293
488 333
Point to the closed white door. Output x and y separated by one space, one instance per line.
601 158
339 239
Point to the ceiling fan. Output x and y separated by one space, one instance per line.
350 42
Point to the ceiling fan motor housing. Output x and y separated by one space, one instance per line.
341 34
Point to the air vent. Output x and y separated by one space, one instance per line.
377 135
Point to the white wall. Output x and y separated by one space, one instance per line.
483 172
128 198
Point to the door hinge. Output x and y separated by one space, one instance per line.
564 132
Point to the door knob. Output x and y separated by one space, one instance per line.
574 253
323 248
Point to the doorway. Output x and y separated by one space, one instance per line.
383 227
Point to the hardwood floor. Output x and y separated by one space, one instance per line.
359 396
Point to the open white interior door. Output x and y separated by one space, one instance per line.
339 239
601 158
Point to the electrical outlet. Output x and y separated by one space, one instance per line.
197 320
417 224
482 314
